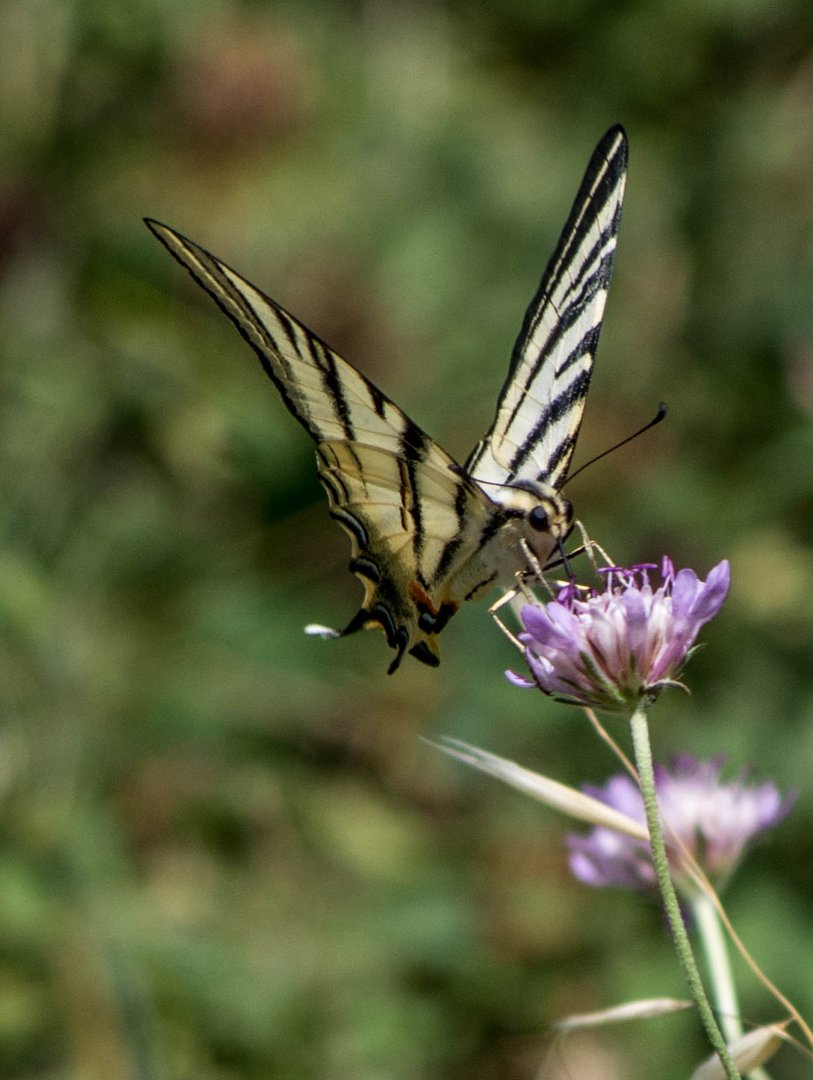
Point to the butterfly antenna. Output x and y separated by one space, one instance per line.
656 419
458 470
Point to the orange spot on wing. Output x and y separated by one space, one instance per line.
421 597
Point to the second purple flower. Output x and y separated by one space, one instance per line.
715 819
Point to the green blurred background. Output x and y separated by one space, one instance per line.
224 851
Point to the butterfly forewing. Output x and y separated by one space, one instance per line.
541 404
425 536
328 396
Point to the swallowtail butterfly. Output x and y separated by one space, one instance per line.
427 534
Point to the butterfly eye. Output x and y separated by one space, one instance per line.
538 519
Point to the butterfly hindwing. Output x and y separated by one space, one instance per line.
413 526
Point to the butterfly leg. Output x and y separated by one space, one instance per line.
507 598
592 546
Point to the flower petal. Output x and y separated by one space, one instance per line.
714 591
684 590
519 680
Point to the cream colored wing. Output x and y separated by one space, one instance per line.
541 404
326 394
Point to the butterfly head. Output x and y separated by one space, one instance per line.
543 516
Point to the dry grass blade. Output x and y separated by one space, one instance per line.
558 796
749 1052
645 1009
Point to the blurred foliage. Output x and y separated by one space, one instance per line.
225 851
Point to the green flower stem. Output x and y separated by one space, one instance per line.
643 760
721 980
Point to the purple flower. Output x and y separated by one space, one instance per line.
611 649
714 820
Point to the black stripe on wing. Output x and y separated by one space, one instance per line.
454 543
414 449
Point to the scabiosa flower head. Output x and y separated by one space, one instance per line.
714 820
612 649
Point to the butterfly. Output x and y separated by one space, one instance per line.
428 534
